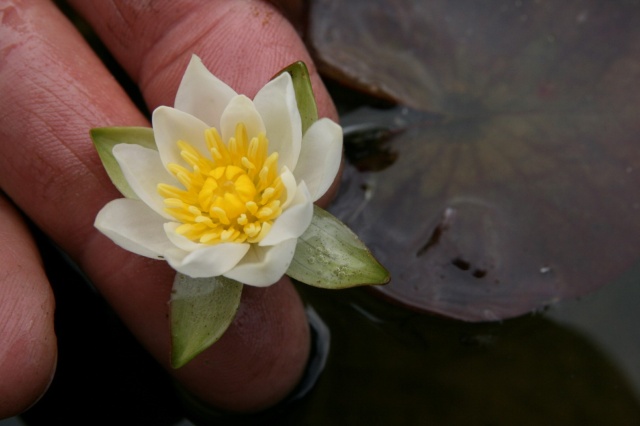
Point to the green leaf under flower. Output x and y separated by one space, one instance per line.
201 311
105 138
304 93
329 255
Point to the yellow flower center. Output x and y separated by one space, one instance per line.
232 195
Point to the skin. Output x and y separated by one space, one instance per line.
53 90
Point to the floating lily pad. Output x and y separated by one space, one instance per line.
515 179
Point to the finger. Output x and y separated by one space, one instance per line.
243 43
54 90
28 349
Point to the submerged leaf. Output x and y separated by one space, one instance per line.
201 311
329 255
105 138
518 186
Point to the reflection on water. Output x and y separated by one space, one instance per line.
609 319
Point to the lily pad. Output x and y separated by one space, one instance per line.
515 179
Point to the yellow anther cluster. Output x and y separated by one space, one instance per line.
232 195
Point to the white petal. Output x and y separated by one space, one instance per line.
209 261
202 94
240 110
320 157
180 241
143 170
293 221
263 266
133 226
290 185
170 126
276 103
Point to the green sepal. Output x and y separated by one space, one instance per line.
304 93
329 255
105 138
201 311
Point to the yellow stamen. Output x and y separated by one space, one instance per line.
232 194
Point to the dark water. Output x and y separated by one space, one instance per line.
576 363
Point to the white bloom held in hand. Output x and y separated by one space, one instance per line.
231 186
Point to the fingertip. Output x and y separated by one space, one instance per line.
27 369
28 352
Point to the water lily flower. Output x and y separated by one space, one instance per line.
231 185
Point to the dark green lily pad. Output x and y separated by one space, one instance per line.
515 179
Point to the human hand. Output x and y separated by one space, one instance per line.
54 89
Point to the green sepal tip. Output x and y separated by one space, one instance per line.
329 255
201 311
105 138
